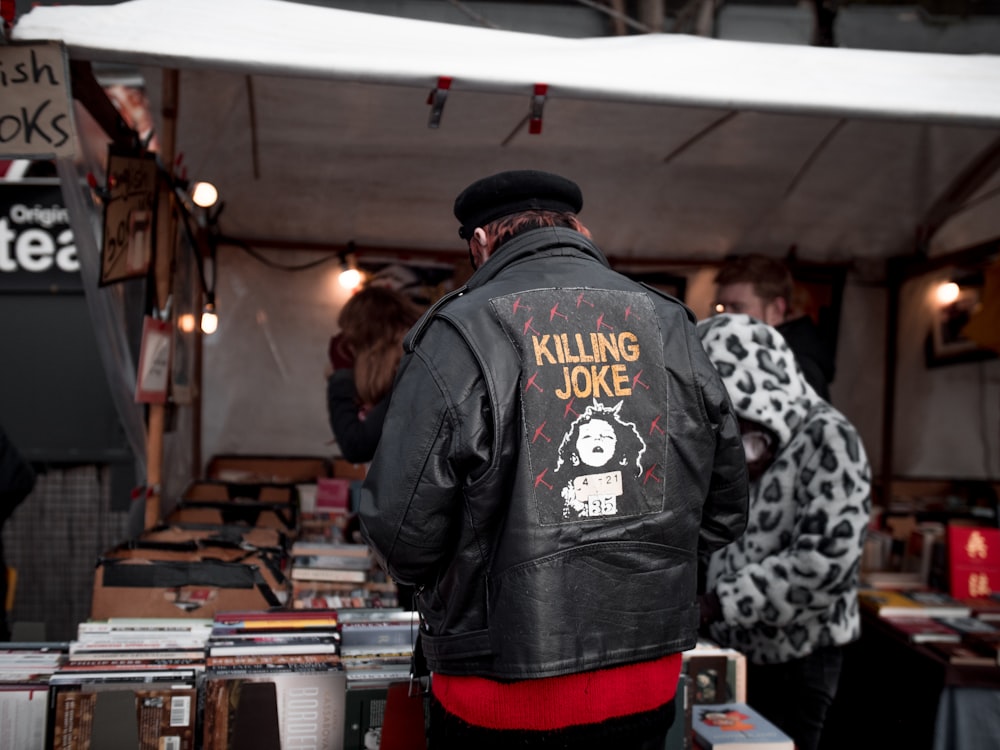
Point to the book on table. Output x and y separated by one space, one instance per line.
736 726
925 629
337 575
974 626
894 603
331 567
249 708
984 607
965 654
973 560
278 644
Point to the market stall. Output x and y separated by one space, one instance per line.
327 131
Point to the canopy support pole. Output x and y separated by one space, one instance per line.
165 240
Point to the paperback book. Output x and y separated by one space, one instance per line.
924 629
894 603
274 644
736 726
965 654
269 710
146 717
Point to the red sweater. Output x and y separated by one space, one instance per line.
557 702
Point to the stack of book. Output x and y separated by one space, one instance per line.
325 509
984 607
25 669
138 644
272 680
978 638
130 680
272 635
377 646
337 575
336 562
925 629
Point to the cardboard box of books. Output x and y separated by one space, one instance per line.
275 469
225 503
281 516
134 586
247 537
270 561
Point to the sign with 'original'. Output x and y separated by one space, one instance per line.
36 104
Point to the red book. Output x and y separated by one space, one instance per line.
973 560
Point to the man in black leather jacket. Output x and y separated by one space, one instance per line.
557 453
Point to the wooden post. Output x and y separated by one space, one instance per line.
165 244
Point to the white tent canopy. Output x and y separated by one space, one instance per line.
313 123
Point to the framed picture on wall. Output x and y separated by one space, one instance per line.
946 342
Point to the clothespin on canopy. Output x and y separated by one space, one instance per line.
436 99
537 103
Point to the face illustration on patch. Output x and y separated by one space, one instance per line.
596 442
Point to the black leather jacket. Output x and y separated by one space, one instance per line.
558 451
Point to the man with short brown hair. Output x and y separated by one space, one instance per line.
762 288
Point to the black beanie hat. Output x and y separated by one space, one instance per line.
507 193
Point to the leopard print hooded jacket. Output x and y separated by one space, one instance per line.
789 584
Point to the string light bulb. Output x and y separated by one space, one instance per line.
350 276
209 319
946 293
204 194
186 323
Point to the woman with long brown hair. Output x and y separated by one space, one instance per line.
372 325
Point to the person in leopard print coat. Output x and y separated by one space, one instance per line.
785 593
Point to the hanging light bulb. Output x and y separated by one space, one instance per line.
186 322
350 277
209 320
204 194
946 293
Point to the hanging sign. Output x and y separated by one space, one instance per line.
129 210
36 103
153 378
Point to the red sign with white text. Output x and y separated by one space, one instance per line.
973 560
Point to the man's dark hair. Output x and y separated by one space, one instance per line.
510 226
770 277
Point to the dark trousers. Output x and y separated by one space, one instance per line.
647 731
796 695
